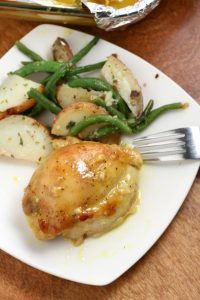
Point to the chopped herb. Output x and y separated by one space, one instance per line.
70 124
12 156
4 101
21 142
134 93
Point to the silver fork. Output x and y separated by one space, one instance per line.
172 145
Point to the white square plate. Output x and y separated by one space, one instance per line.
99 261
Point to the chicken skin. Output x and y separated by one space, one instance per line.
84 189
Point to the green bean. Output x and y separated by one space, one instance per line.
80 54
90 83
154 114
46 79
25 62
50 89
100 85
132 122
101 132
84 69
106 130
28 52
38 66
113 111
52 66
148 108
121 105
114 121
67 78
43 101
36 110
70 78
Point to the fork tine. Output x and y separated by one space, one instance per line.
161 144
168 151
174 157
159 136
171 145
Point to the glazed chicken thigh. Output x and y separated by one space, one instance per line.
84 189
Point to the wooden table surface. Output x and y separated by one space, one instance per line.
169 38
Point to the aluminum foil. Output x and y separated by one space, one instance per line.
82 11
109 18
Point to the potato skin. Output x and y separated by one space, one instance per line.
14 95
81 189
61 50
122 79
18 109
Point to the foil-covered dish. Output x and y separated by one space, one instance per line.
119 13
106 14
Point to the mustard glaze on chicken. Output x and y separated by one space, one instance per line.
84 189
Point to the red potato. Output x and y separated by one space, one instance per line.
61 50
14 95
74 114
120 77
67 95
24 138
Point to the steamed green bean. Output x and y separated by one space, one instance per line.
80 54
154 114
114 121
100 85
28 52
44 101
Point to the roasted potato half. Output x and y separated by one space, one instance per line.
61 50
120 77
24 138
73 114
67 95
14 95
